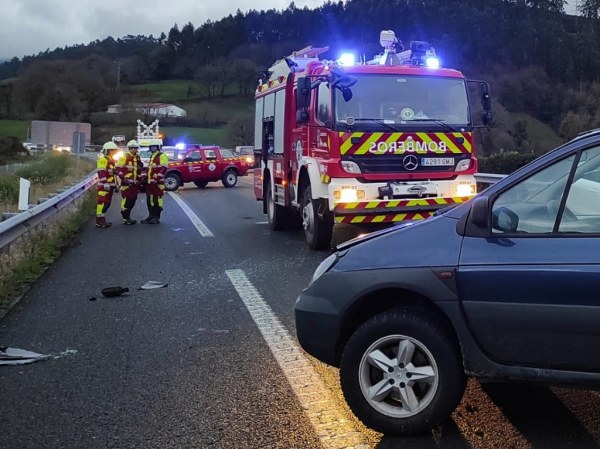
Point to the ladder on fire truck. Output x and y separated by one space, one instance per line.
296 62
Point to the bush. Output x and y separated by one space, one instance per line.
51 168
9 189
504 163
11 150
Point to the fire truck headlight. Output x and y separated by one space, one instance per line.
324 267
466 189
432 62
463 165
350 167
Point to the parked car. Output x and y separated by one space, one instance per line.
502 287
204 164
250 154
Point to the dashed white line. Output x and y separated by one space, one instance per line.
332 428
199 224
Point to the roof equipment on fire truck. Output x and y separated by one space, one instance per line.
419 54
148 135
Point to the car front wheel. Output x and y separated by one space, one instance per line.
172 182
401 372
230 178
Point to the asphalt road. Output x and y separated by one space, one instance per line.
210 361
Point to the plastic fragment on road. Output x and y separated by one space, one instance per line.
150 285
111 292
15 356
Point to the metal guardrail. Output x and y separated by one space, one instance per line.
22 222
488 178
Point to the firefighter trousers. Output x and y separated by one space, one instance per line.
154 200
129 196
103 203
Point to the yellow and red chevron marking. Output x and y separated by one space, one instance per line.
381 144
382 218
366 206
272 83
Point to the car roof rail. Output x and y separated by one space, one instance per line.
589 132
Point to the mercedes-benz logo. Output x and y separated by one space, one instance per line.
410 162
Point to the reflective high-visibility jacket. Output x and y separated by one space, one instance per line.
106 173
129 169
157 168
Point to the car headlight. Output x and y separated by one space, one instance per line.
324 267
466 189
463 165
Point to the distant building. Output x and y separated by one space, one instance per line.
151 109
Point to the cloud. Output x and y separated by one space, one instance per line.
32 26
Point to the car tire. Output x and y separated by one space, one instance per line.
172 182
276 214
230 178
201 184
383 391
317 230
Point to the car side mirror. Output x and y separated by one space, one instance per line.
480 211
505 220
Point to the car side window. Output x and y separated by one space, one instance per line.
193 156
210 154
582 208
532 205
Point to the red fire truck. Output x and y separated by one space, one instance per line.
383 141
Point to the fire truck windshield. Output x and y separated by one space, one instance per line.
385 101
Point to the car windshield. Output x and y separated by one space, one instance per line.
404 100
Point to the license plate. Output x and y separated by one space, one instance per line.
418 190
436 161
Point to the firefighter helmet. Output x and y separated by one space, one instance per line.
133 144
108 146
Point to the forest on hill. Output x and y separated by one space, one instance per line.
540 62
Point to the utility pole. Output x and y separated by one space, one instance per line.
118 64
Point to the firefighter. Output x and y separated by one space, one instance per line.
106 183
155 184
129 169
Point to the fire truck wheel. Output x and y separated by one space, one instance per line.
401 372
317 230
201 184
230 178
276 214
172 182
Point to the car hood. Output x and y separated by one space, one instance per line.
431 242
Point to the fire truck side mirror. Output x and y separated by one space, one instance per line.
486 103
301 117
303 93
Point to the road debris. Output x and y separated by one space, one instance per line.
111 292
15 356
150 285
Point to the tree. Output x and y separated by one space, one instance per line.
240 130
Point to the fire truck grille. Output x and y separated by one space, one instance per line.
396 164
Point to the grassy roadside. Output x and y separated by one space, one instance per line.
47 174
42 250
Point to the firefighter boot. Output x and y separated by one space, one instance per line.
126 214
148 219
155 215
102 223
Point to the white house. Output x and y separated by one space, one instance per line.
152 109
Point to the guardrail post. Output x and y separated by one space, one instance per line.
24 187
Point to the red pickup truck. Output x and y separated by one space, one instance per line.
204 164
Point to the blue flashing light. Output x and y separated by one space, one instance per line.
347 59
432 62
180 146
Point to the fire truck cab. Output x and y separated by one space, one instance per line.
383 141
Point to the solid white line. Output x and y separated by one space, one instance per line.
333 429
200 226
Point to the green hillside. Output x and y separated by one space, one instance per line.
14 128
539 134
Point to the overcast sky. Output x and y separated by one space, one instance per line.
32 26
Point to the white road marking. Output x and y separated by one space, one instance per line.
262 222
333 429
199 224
